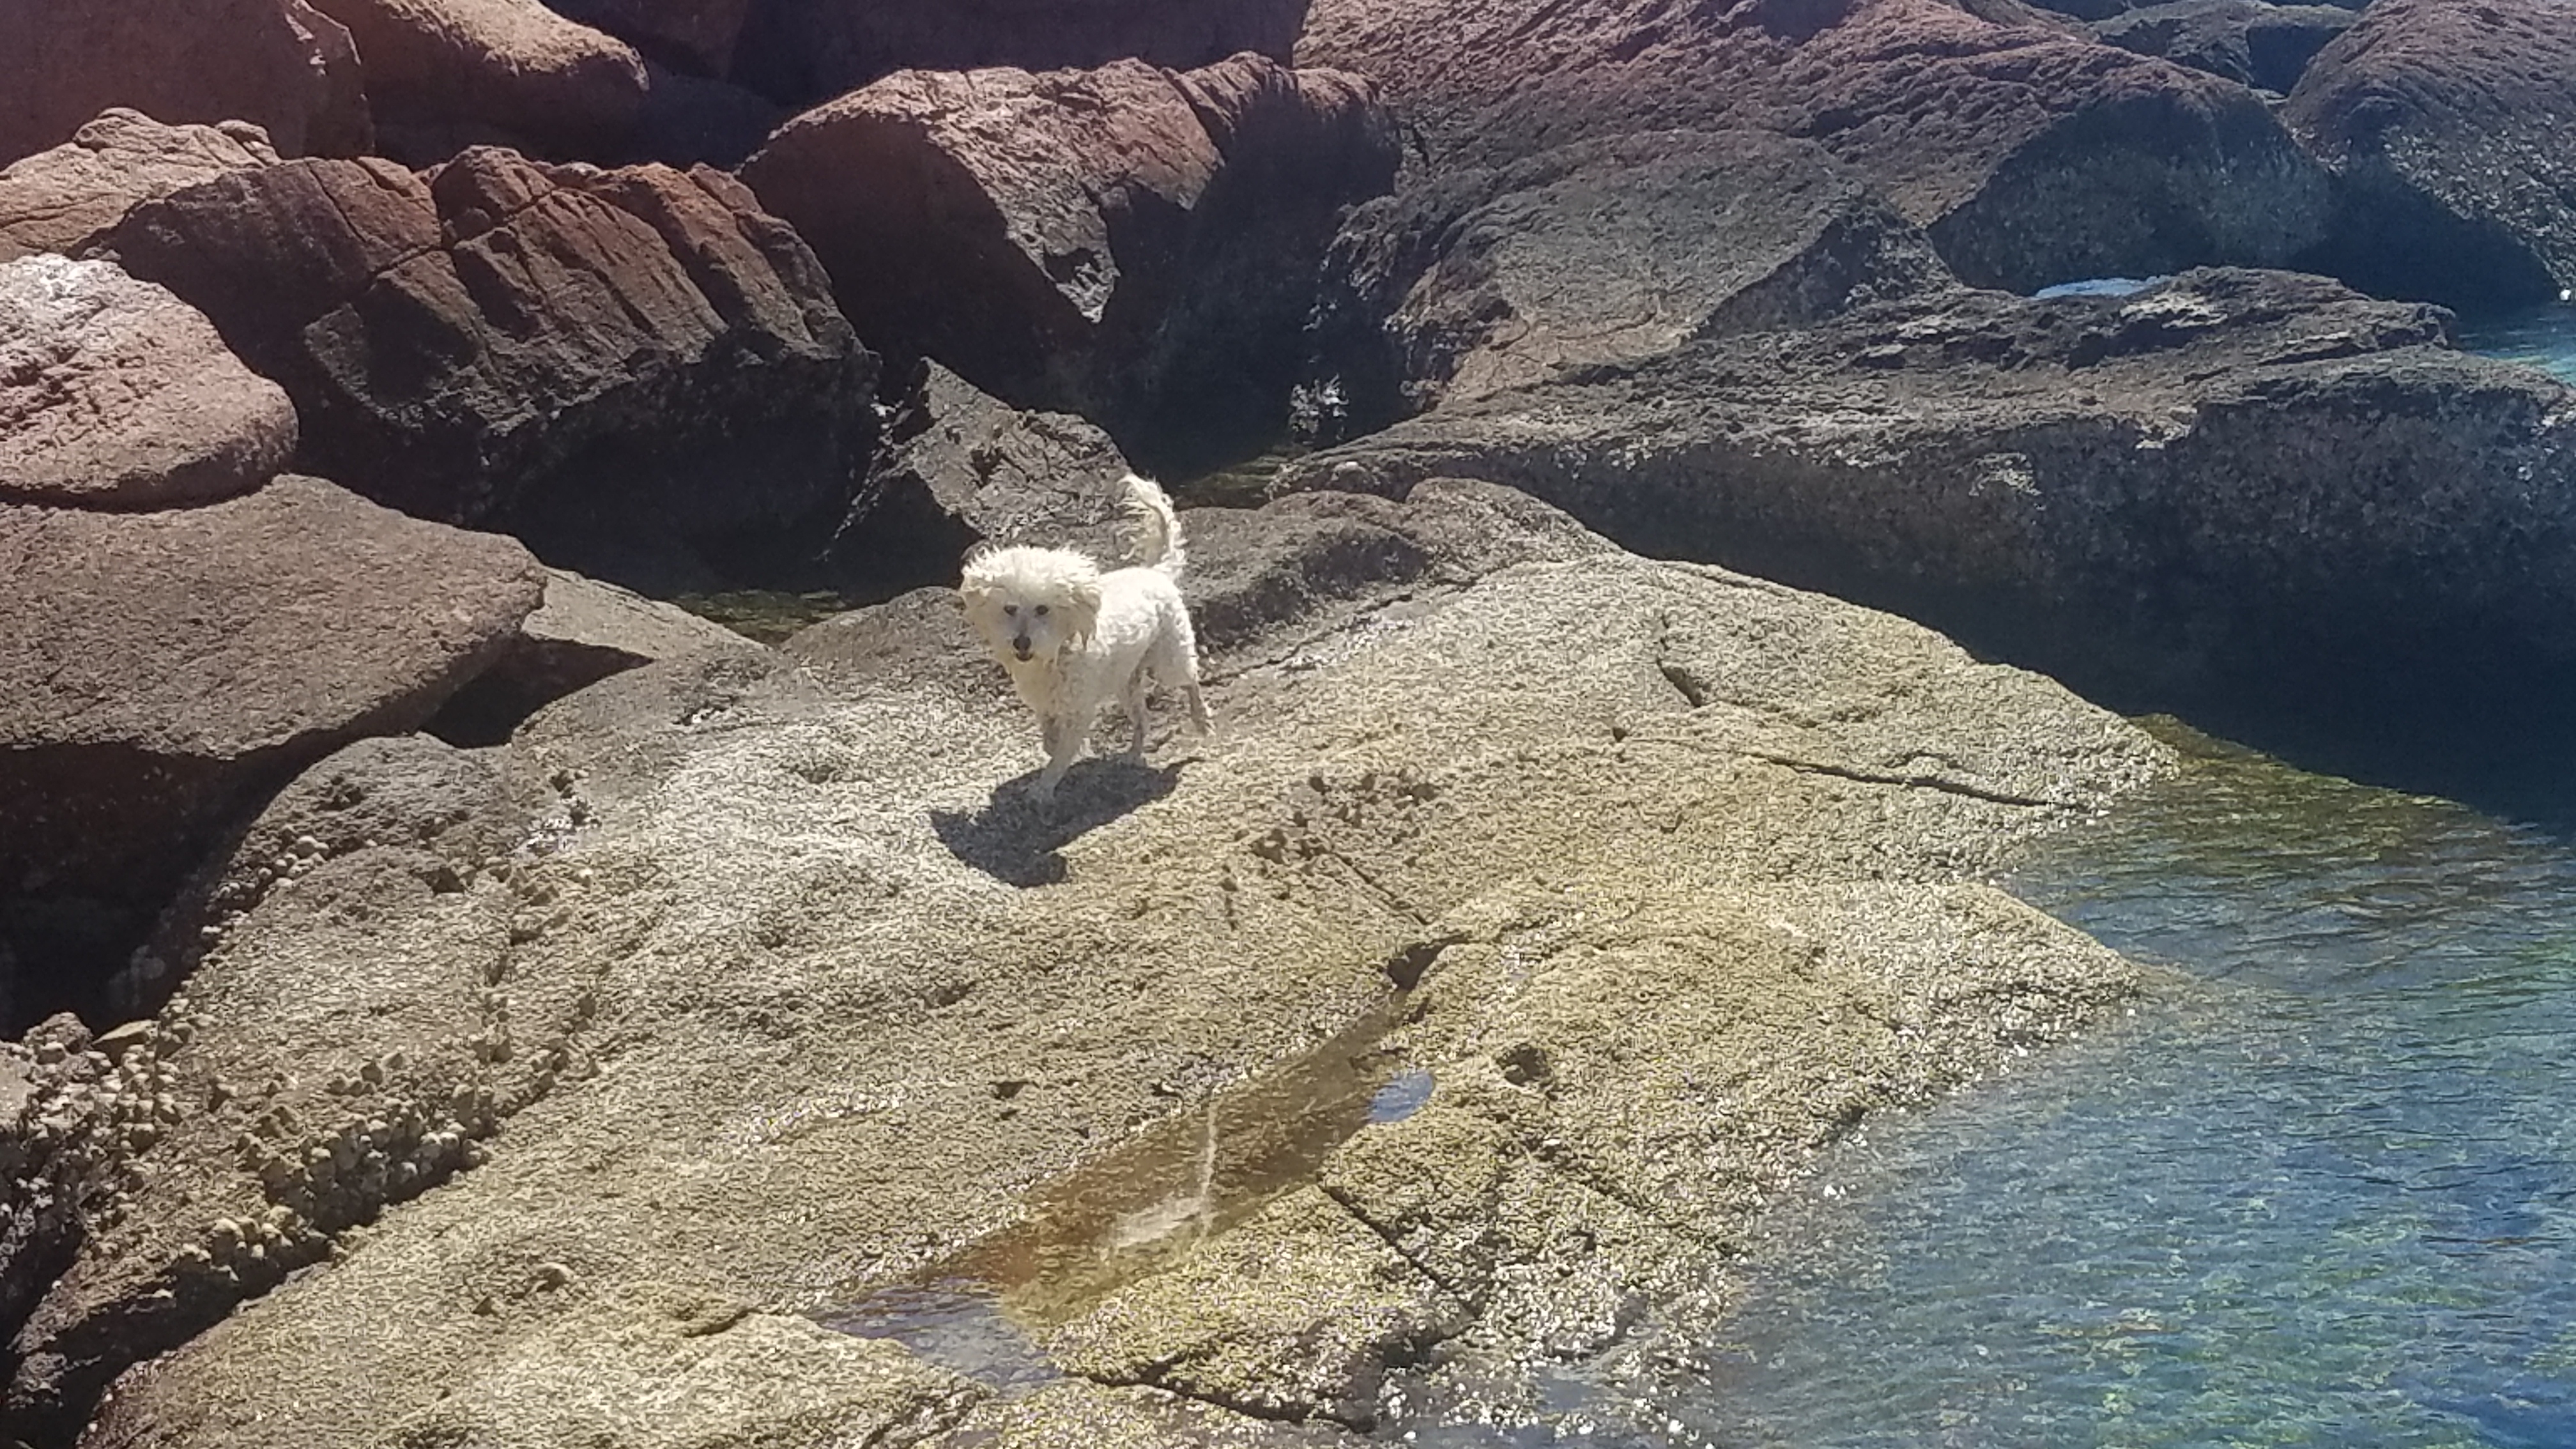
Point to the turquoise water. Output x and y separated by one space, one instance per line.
2322 1192
2545 339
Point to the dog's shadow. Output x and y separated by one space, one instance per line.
1015 840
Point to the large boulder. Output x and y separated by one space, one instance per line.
2252 497
791 999
116 394
166 668
2446 125
2030 156
1133 244
1483 279
584 632
636 371
276 64
63 199
2250 41
800 52
446 74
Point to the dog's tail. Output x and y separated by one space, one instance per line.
1158 527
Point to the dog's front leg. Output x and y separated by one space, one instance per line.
1063 742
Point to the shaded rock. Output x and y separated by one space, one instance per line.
116 394
2248 496
799 52
636 371
443 75
48 1111
2446 127
959 465
1477 280
275 64
691 121
63 199
584 632
822 1047
1131 244
694 36
2248 41
171 666
2030 156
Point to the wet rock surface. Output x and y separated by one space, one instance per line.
786 995
280 65
2238 490
2445 125
637 371
1133 244
2031 155
1482 279
116 394
168 666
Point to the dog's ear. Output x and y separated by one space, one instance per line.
1082 607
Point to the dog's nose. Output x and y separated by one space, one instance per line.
1020 646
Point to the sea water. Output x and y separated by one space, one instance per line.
2319 1189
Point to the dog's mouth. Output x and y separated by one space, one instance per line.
1021 650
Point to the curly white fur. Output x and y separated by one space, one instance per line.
1074 637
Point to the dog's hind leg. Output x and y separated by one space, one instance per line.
1134 701
1176 661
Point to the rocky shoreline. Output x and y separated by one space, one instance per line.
461 1000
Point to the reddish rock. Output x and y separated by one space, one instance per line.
165 668
115 394
63 199
2448 125
2029 155
622 367
446 74
276 64
801 51
1128 243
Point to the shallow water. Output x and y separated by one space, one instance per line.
2319 1190
2544 338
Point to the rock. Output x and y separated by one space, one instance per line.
1076 1415
2247 41
800 52
691 121
636 371
2168 500
273 64
959 466
1131 244
2446 126
1482 279
443 75
697 36
584 632
115 394
46 1109
171 666
63 199
815 1043
2030 156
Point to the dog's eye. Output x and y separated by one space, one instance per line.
1041 611
1011 609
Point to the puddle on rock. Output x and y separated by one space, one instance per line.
1124 1213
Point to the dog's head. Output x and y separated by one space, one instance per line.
1031 603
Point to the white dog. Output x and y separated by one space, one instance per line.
1074 637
